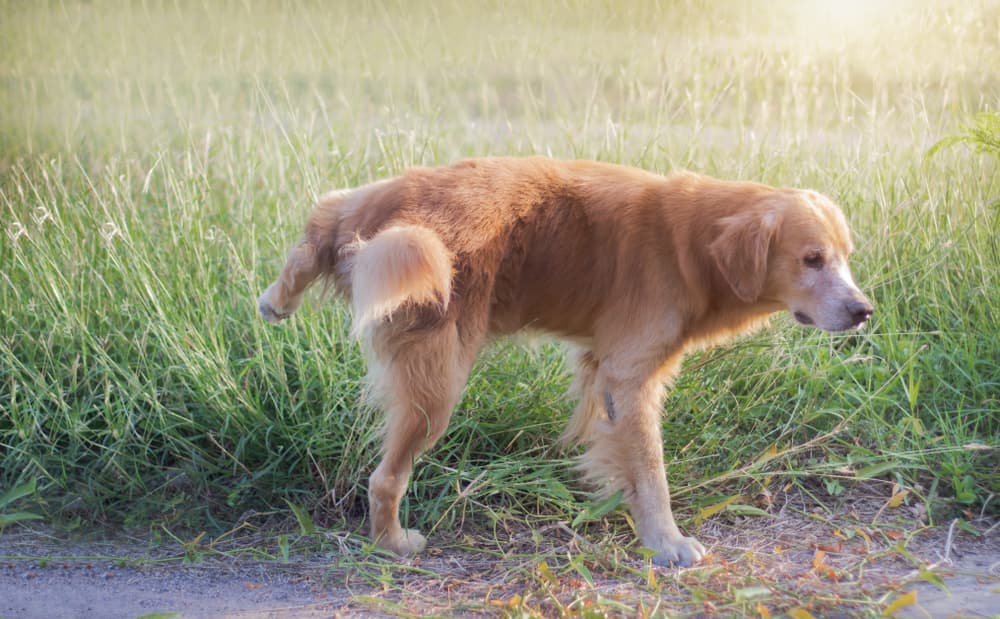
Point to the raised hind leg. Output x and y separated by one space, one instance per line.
285 295
418 378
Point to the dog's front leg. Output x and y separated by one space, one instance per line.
627 452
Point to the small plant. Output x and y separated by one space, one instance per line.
8 497
983 135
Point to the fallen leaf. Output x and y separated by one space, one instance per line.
893 535
546 573
763 611
748 510
800 613
831 547
933 578
821 568
771 452
818 557
514 601
907 599
711 510
748 593
897 499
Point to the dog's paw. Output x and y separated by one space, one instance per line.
682 552
265 305
407 542
269 314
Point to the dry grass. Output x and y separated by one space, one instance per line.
858 557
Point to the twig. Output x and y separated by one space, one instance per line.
579 539
990 530
947 543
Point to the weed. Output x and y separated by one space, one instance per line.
8 498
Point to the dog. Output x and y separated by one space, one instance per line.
633 268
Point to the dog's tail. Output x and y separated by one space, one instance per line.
399 265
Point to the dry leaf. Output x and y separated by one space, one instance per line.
818 558
897 499
907 599
715 508
771 452
546 573
821 568
863 534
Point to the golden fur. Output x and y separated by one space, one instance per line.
633 267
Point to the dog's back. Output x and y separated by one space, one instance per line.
517 232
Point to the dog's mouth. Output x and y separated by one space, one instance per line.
803 318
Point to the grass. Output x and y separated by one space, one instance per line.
157 159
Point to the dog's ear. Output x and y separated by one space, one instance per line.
740 251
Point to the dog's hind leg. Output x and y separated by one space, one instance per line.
314 257
285 295
418 378
589 408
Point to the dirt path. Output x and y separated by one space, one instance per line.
782 560
974 590
99 590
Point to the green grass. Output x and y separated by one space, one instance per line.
157 159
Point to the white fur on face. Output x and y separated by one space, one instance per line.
827 295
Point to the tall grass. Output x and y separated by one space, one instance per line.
157 159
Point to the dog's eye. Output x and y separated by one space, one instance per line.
814 260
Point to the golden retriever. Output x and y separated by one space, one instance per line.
634 268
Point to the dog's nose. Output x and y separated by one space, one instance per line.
860 311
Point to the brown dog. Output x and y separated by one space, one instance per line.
634 267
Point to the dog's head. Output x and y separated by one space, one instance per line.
792 248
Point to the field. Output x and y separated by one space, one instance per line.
158 158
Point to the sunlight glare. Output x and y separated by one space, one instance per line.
846 19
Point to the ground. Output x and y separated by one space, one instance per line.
859 559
